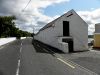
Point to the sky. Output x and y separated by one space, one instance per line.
40 12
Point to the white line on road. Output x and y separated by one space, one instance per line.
66 63
20 49
71 63
17 72
61 59
21 44
75 65
18 67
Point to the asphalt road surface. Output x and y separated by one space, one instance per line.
22 58
9 55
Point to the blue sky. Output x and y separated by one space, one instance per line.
77 5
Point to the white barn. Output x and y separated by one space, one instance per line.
68 33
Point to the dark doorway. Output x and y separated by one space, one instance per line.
65 28
70 43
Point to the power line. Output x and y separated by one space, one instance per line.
26 5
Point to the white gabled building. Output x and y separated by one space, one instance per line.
68 33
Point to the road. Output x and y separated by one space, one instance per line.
22 58
9 55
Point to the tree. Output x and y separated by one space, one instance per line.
6 25
8 28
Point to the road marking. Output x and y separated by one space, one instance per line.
75 65
59 57
17 72
21 44
70 63
20 49
66 63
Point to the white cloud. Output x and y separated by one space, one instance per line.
32 15
91 17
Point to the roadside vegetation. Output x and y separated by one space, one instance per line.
9 29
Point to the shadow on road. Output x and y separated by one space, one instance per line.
43 48
39 49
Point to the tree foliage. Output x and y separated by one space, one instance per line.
8 28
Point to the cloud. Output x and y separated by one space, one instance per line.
91 17
31 16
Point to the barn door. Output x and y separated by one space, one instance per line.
70 44
65 28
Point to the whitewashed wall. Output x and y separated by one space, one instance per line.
78 30
6 40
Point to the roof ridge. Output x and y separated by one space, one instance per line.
52 22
